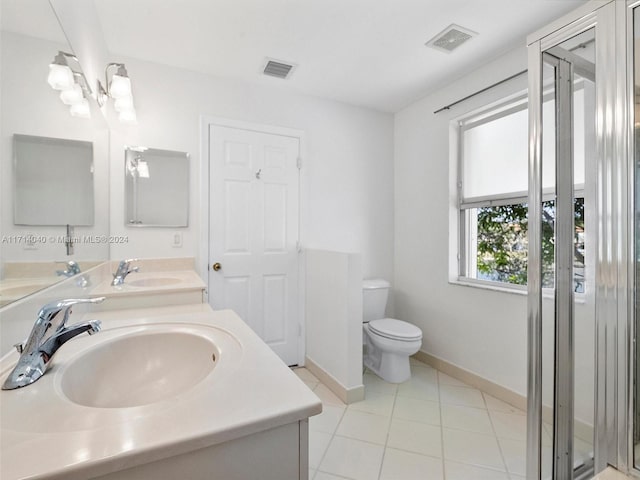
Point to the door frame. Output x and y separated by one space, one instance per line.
203 263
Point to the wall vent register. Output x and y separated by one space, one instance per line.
274 68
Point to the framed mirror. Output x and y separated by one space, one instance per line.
53 180
40 191
156 187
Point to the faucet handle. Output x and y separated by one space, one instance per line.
53 308
53 318
72 268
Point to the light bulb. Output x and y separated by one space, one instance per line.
123 104
81 109
128 116
60 77
72 95
120 87
143 169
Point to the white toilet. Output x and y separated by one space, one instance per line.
388 342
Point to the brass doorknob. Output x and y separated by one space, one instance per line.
216 266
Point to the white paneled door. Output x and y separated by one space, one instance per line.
253 238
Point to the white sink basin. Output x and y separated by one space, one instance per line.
139 369
125 372
153 282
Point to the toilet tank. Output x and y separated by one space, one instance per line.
374 299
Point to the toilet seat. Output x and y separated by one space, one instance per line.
395 329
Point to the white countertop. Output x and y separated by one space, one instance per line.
61 439
181 280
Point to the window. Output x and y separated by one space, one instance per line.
492 196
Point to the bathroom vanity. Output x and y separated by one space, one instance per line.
174 392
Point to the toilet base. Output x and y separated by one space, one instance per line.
389 359
391 368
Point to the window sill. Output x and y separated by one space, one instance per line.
496 287
547 293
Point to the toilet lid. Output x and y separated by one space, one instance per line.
395 329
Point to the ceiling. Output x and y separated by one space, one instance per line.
364 52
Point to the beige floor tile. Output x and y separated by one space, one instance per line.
327 476
494 404
373 383
445 379
364 426
328 420
465 396
509 425
415 410
401 465
353 459
420 388
466 418
415 437
376 403
318 443
424 372
459 471
327 396
611 474
472 448
515 457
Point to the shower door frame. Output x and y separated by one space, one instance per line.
612 239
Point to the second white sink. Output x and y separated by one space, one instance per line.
152 282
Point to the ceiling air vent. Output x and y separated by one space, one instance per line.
274 68
450 38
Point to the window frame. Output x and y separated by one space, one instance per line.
497 110
489 113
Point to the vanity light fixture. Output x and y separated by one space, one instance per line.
73 85
60 74
118 88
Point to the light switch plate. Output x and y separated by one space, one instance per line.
177 240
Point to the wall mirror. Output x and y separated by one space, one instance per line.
53 181
32 114
156 187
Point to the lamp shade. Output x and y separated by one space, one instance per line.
81 109
128 116
72 95
120 87
60 77
123 104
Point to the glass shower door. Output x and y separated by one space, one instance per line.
561 262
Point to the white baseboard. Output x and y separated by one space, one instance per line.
583 430
347 395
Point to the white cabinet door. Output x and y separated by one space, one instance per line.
254 183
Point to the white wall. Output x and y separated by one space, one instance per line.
480 330
347 186
334 315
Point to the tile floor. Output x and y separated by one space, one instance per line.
432 427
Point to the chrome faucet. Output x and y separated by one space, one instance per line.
72 269
49 333
123 270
